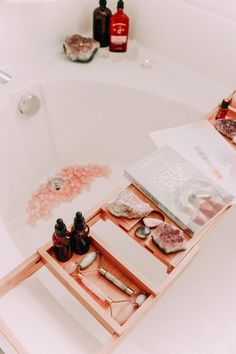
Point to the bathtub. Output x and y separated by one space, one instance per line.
99 113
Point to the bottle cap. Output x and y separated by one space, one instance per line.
79 220
103 3
120 4
60 228
224 104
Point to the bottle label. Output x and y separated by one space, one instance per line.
118 39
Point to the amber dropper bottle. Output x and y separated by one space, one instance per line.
61 242
101 24
79 237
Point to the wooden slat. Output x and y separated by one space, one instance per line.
114 341
131 272
133 321
178 270
20 273
11 338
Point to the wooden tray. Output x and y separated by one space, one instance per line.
129 226
112 262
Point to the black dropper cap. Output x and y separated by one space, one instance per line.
120 4
79 220
60 228
103 3
224 104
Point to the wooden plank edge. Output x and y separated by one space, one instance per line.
11 338
20 273
172 276
114 341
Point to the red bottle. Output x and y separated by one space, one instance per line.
119 29
223 109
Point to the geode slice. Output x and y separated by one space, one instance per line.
129 206
226 127
80 49
168 238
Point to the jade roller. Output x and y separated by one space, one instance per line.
94 289
126 311
85 262
114 280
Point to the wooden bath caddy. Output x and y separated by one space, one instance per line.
175 263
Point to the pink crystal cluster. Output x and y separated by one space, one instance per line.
74 180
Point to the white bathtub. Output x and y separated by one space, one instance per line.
98 113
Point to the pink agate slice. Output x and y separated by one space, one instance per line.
168 238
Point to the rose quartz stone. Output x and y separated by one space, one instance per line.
70 267
124 313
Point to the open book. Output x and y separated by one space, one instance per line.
179 189
203 146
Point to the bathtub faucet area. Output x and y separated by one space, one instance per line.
4 77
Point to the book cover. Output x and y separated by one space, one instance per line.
179 189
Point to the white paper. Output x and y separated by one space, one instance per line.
204 147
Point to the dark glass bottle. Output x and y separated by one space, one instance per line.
101 24
79 237
61 242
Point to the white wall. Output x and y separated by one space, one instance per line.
193 32
26 29
197 33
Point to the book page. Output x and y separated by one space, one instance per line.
204 147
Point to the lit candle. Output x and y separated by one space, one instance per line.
146 64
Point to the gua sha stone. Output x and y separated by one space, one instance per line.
80 49
168 238
142 232
129 206
152 222
226 127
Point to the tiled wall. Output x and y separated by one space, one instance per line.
197 33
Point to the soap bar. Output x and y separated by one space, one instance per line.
80 49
